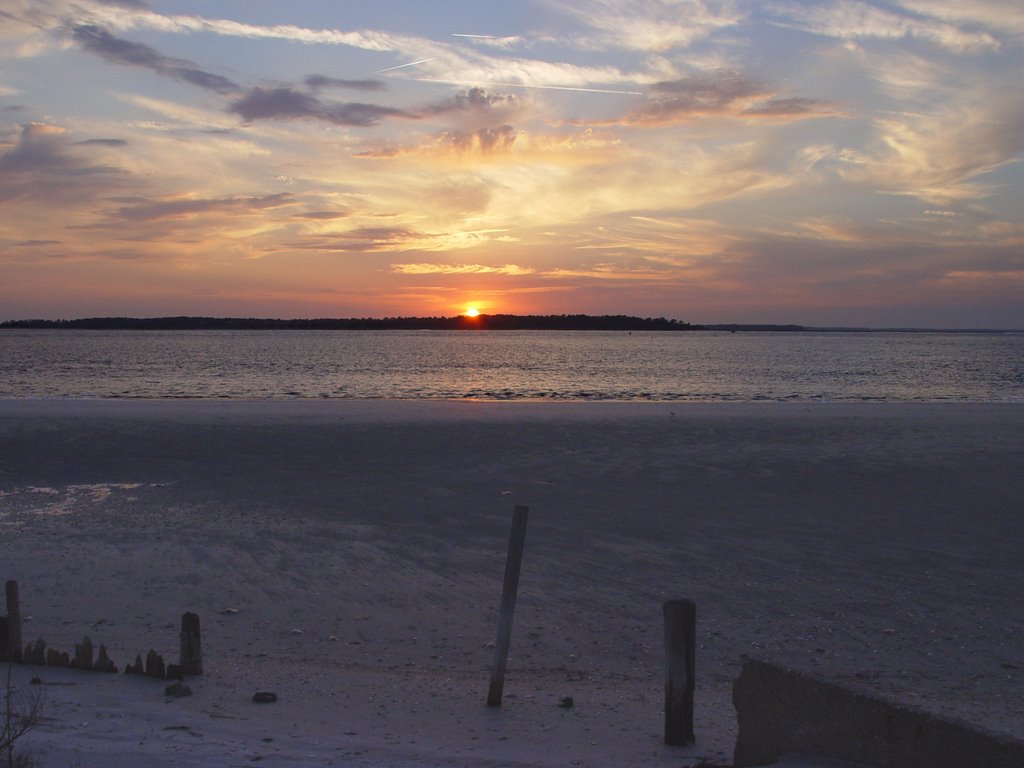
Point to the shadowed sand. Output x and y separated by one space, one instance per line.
360 545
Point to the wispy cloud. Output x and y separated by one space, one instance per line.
118 51
714 94
44 165
855 20
322 81
151 210
999 17
649 25
290 104
427 268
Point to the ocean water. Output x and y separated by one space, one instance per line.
510 365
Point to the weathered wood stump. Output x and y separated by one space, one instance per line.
35 653
103 662
680 651
155 665
191 658
55 658
137 668
83 654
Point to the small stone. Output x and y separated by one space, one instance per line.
264 697
566 703
177 690
296 632
229 611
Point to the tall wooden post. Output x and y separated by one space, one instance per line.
517 538
191 659
13 622
680 652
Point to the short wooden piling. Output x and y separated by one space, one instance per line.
13 622
191 659
680 647
517 539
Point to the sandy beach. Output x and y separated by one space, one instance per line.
348 556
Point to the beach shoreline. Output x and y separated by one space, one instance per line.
878 544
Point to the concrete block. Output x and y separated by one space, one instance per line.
781 711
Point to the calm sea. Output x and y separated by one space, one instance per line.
546 365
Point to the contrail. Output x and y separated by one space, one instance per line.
410 64
525 85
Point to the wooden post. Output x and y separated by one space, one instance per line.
508 604
191 659
680 645
13 622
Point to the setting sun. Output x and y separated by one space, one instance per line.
472 312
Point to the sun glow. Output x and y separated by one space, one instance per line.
471 312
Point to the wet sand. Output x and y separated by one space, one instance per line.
348 555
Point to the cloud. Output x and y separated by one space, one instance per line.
855 20
186 208
793 107
940 156
289 104
364 239
1001 17
482 140
119 51
494 41
44 165
476 100
322 215
103 142
676 100
648 25
426 268
716 94
33 243
286 103
322 81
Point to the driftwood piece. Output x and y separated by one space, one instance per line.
13 622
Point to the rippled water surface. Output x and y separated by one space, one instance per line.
574 365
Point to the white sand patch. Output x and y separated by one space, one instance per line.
58 502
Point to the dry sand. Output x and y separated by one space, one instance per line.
348 556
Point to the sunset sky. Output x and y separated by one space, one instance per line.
840 163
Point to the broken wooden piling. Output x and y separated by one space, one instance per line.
680 652
513 564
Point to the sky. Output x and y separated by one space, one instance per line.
843 162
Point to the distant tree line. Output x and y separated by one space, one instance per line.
460 322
